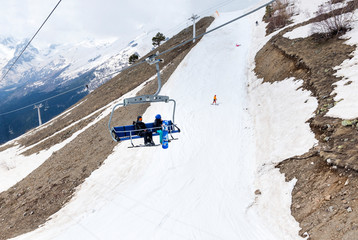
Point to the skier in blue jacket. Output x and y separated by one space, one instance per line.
158 126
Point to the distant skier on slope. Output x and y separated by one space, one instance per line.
214 101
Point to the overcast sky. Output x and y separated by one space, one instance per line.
78 20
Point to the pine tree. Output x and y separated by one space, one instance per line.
158 39
134 57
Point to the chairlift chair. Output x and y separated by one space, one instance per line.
129 132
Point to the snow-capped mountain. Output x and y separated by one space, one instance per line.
58 65
41 73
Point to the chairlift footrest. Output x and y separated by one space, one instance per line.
143 145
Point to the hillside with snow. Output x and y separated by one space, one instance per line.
71 60
238 168
59 69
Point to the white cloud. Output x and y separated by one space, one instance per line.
74 21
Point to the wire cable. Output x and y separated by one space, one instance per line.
217 6
23 50
145 60
199 36
1 114
218 27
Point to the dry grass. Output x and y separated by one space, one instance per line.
278 15
333 19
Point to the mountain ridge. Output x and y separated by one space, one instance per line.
43 73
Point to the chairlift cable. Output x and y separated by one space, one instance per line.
218 27
217 6
143 61
130 132
18 109
1 114
23 50
190 40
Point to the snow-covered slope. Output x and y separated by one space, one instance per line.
203 186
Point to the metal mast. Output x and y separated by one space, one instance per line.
193 18
38 112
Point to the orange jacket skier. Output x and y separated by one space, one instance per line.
214 101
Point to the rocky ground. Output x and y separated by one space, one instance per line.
325 197
30 202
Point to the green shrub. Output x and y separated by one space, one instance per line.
158 39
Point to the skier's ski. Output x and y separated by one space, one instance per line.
144 145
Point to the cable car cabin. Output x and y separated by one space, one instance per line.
129 132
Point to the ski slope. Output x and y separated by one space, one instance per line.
203 186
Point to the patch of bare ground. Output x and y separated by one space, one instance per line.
42 193
324 199
6 146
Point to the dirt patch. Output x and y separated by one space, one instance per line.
57 138
324 197
42 193
6 146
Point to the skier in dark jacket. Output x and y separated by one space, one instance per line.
145 133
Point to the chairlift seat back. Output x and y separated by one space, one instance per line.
129 131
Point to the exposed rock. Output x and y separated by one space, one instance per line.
258 192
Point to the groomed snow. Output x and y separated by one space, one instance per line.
203 186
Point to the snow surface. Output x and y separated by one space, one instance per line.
305 9
300 32
203 186
347 106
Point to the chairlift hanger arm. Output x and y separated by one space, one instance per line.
152 60
110 120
